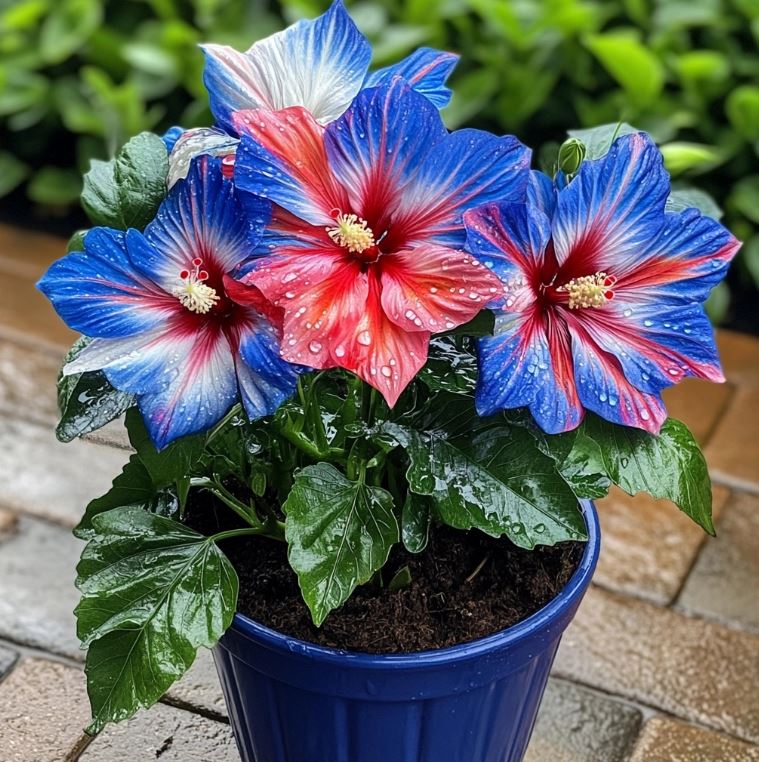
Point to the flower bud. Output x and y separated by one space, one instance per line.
571 155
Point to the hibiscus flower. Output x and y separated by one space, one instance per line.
364 251
168 324
604 292
320 64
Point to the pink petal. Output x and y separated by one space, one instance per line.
435 288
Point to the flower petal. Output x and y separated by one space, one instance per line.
412 180
377 350
433 288
196 395
426 70
318 64
282 158
201 217
196 142
527 363
612 209
318 290
511 240
604 389
682 265
656 345
541 192
264 378
98 293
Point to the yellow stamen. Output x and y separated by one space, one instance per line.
589 290
196 296
351 232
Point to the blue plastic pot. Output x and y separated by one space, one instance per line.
291 701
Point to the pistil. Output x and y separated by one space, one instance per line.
589 291
194 293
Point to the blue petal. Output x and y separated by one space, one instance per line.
683 263
541 192
265 379
171 136
517 369
613 208
318 64
393 150
426 71
603 387
201 217
98 292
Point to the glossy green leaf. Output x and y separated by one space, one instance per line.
87 401
339 533
153 592
630 62
67 27
682 157
126 191
669 466
416 520
450 366
693 198
598 140
132 487
497 480
173 462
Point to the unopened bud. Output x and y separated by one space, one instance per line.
571 155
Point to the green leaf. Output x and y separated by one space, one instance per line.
668 466
76 242
630 62
693 198
497 480
416 520
166 466
153 592
54 186
132 487
67 28
598 140
401 579
745 197
450 366
126 191
742 108
13 172
87 401
682 157
339 532
482 324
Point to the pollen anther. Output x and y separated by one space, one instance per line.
193 293
351 232
589 290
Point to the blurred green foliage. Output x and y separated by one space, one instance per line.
78 77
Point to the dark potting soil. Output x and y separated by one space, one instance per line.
465 585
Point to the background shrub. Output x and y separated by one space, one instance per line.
77 77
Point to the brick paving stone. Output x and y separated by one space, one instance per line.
26 312
733 450
43 710
664 740
694 669
37 594
200 688
7 659
45 477
577 725
739 354
28 251
164 732
8 523
724 583
27 381
697 403
648 545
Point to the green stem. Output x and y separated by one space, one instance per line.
264 531
304 444
234 411
245 512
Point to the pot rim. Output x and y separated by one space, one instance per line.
542 619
